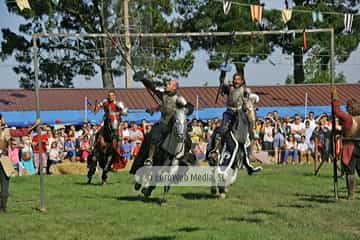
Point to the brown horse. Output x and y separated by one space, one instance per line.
104 154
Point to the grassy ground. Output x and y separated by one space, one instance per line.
282 202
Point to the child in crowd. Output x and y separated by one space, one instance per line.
304 150
85 148
127 149
27 155
54 156
290 149
70 149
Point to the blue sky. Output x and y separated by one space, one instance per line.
262 73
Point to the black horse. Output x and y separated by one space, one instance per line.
234 152
161 158
104 154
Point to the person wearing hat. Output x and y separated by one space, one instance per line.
350 155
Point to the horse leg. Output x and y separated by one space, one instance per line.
92 168
147 191
106 169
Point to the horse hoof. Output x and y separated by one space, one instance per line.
137 186
222 196
213 191
146 192
163 202
103 183
88 182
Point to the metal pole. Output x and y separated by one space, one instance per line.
306 102
188 34
128 74
332 76
85 109
37 102
197 106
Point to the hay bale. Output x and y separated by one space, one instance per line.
67 167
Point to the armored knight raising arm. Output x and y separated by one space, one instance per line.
239 98
171 102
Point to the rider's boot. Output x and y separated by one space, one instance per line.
214 153
250 168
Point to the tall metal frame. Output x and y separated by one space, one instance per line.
37 36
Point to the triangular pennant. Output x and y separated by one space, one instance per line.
304 39
317 16
256 13
348 20
226 6
55 2
22 4
286 15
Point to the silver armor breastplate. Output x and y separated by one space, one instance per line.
236 98
168 107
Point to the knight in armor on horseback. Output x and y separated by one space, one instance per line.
113 111
169 133
350 155
239 98
108 133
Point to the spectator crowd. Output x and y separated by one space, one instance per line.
285 140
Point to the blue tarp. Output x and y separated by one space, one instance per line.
77 117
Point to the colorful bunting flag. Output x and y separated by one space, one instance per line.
55 2
304 39
348 20
22 4
226 6
317 16
286 15
256 13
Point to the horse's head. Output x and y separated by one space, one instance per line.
101 144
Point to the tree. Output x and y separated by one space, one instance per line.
64 58
318 44
207 15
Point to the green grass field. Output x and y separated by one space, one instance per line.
282 202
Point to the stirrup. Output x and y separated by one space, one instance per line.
148 162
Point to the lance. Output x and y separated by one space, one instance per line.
123 56
225 67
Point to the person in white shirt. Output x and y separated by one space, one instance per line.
311 119
304 150
297 128
54 156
